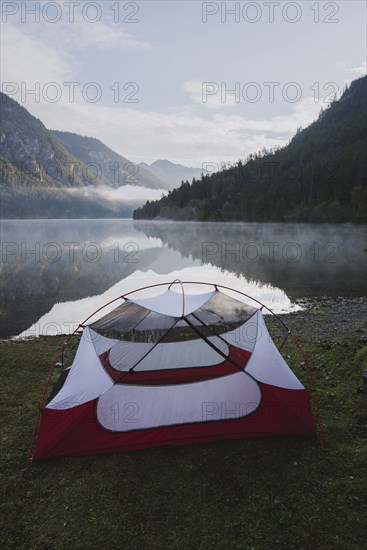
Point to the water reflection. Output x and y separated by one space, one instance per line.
302 259
65 317
50 268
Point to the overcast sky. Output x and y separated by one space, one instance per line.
152 79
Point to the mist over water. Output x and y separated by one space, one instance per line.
127 195
50 268
303 259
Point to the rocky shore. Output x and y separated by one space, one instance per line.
330 319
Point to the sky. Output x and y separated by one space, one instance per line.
189 81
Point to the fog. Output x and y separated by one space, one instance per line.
128 195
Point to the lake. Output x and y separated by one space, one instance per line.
56 272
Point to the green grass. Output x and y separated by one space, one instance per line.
252 494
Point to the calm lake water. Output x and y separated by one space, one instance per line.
56 272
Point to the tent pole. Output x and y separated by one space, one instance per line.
30 450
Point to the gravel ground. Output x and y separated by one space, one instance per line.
330 319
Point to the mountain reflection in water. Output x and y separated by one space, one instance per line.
50 268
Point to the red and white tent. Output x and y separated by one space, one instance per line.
172 369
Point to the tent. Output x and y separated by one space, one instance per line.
172 369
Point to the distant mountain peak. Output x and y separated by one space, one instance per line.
172 174
115 168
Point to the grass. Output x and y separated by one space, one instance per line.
252 494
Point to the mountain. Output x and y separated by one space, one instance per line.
172 174
114 168
30 156
43 178
320 176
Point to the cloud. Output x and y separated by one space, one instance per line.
180 136
27 58
29 63
302 114
357 71
81 35
212 94
360 70
102 35
30 55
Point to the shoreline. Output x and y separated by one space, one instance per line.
321 317
331 318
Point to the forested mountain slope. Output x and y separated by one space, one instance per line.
319 176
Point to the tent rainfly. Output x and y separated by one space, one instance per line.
173 369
